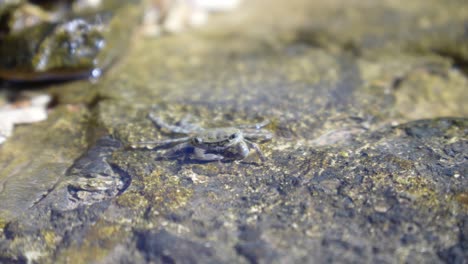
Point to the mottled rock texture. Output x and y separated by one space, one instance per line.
367 101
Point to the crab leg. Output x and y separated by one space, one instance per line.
160 143
188 126
200 154
260 135
174 129
257 149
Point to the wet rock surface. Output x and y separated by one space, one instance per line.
57 40
368 162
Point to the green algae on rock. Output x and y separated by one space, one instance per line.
65 44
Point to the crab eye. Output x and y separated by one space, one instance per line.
233 136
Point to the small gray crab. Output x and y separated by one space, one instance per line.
214 144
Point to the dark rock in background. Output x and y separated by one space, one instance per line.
61 40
